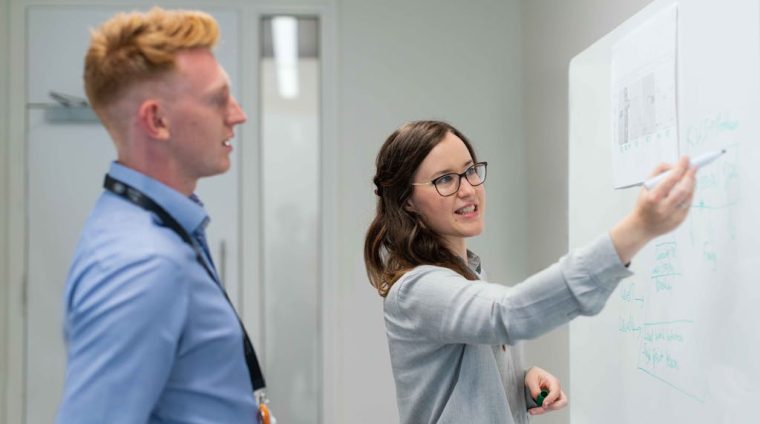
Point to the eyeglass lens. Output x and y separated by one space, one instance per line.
448 184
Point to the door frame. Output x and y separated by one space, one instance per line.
5 202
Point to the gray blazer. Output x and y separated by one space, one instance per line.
447 335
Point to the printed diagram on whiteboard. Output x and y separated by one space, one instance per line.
645 110
644 103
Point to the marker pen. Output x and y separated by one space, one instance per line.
697 162
541 396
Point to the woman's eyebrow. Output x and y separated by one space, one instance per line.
451 171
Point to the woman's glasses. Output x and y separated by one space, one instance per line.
448 184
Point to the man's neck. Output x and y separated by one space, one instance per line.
164 172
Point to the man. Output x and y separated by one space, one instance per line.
151 336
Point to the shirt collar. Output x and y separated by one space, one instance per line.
188 212
473 262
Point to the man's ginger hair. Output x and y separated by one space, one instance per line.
136 47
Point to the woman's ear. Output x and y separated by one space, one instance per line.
409 206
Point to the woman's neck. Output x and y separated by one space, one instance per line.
458 246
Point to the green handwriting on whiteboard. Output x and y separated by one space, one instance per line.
660 346
709 129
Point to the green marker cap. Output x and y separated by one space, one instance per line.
541 396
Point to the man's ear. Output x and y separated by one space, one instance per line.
153 120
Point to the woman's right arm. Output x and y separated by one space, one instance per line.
437 304
657 211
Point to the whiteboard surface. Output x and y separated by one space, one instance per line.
678 340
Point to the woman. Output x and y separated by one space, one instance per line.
452 337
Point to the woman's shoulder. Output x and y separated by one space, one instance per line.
426 272
423 281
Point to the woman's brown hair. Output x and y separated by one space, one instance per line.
398 239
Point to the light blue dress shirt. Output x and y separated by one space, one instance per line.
150 335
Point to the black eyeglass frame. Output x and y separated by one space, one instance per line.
459 181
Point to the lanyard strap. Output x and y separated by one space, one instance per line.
138 198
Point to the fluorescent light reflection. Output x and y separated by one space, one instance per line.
285 44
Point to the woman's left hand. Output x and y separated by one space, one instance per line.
537 379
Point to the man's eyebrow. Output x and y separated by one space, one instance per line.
222 86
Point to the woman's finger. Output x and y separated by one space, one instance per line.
682 191
659 169
664 187
537 411
560 403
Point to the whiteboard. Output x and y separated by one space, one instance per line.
678 340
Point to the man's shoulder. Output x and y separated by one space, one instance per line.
124 232
126 250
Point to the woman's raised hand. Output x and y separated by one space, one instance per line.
658 211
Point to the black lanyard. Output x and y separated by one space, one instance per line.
138 198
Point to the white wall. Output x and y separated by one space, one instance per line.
402 60
3 200
11 246
554 32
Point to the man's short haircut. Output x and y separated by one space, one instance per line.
140 46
